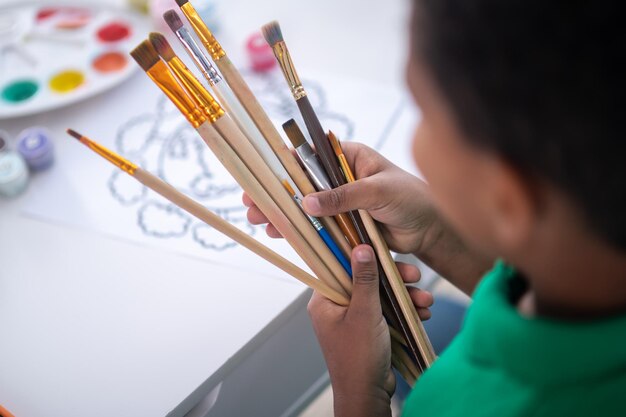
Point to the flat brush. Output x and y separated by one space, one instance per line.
396 285
274 38
318 175
214 129
202 213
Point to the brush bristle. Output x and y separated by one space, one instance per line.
272 33
294 133
288 187
74 134
145 55
173 20
181 3
162 46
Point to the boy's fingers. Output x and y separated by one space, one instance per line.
421 298
352 196
247 201
365 291
410 273
272 231
424 313
256 216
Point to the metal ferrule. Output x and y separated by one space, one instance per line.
313 167
206 37
286 64
203 99
314 220
120 162
163 77
198 57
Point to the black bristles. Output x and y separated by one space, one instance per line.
272 33
294 133
145 55
181 3
173 20
74 134
162 46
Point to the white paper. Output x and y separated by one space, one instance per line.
137 121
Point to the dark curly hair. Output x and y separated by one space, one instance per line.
542 84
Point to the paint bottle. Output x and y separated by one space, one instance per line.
35 146
260 53
13 174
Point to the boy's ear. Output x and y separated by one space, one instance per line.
513 206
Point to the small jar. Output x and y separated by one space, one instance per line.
13 174
35 145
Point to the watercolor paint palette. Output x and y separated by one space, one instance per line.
55 56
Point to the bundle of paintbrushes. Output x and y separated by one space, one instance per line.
238 131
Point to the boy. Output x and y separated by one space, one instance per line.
520 142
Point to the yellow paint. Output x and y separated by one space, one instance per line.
67 81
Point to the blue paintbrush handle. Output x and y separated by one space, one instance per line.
335 250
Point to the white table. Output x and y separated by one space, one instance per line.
95 326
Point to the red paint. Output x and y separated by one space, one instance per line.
45 13
64 17
113 32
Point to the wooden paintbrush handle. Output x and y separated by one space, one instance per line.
199 211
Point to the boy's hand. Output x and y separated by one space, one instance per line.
355 342
398 200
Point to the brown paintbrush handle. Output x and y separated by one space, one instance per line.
347 227
266 204
320 140
399 289
199 211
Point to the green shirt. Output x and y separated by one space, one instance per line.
503 364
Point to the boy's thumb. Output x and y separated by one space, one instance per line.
365 293
348 197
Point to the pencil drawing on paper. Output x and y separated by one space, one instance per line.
162 142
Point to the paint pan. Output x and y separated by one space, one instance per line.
53 56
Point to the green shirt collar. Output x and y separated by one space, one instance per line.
538 350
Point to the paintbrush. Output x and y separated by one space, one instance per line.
391 310
274 37
202 213
318 175
213 129
389 266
